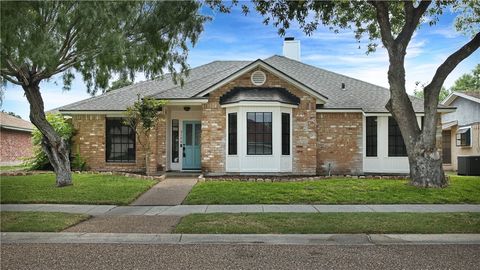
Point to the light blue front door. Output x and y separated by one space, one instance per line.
191 145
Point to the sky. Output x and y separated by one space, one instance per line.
237 37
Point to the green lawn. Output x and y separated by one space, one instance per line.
305 223
462 189
38 221
86 189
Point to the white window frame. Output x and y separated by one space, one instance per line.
469 129
274 163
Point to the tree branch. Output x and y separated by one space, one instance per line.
384 23
10 79
452 61
412 19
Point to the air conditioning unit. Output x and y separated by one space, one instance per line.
468 165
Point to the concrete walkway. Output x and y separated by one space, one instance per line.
172 191
269 239
182 210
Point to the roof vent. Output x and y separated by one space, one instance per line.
258 77
343 86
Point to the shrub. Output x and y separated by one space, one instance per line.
65 129
78 163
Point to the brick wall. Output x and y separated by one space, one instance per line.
339 143
304 127
90 141
14 145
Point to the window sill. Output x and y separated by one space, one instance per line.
120 163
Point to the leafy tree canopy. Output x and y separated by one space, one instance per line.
63 127
444 92
122 82
359 16
97 38
469 82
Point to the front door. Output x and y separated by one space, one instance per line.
191 145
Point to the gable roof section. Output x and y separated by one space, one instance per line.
162 88
260 63
475 97
14 123
323 84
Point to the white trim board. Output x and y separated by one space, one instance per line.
448 100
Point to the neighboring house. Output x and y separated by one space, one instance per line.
461 129
276 115
15 139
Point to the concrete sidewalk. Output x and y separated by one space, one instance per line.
172 191
182 210
265 239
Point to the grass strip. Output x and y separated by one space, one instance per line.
38 221
316 223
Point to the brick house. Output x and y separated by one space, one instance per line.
276 115
15 139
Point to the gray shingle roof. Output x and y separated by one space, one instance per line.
357 94
277 94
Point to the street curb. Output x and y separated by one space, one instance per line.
263 239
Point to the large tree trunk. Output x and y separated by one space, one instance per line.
424 158
53 145
426 167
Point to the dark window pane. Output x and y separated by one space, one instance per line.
285 134
198 131
371 136
259 117
267 118
175 141
259 133
396 145
232 133
120 141
188 134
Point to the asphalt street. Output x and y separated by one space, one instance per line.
235 256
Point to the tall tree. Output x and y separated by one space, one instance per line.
142 117
468 82
40 39
393 23
418 92
122 82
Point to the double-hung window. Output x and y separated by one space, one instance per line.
396 145
232 133
259 133
285 134
120 141
463 136
371 136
